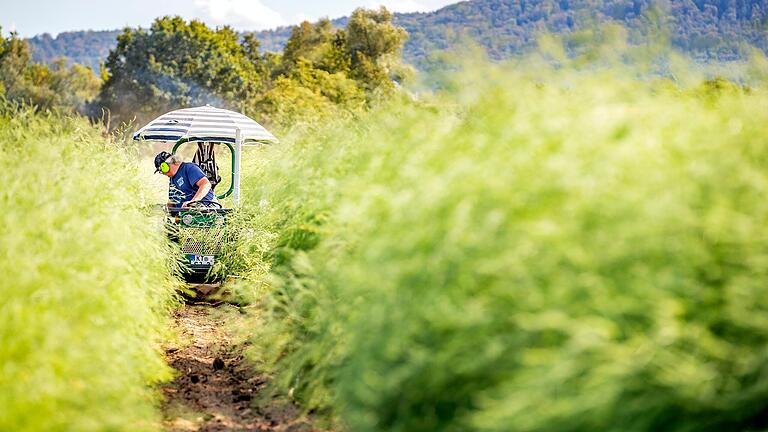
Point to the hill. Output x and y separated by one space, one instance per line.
84 47
707 29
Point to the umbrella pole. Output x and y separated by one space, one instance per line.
238 154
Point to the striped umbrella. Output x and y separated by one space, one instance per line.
204 123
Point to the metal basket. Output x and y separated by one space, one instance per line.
202 241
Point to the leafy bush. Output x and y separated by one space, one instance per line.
86 281
564 251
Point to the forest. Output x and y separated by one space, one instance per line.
706 29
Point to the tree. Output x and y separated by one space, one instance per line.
326 71
373 44
14 60
178 63
55 86
366 51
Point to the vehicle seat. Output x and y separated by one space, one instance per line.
205 158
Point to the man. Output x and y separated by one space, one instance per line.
188 183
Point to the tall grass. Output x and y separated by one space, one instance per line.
552 251
86 281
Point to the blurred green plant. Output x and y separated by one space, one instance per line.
87 280
536 248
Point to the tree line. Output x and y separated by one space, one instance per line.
706 29
47 86
322 71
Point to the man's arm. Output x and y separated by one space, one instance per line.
203 187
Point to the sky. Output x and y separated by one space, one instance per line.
32 17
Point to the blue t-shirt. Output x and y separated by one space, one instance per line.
183 185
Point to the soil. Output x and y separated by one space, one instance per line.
216 388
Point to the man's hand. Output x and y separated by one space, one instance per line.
187 203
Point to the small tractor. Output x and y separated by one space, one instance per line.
201 229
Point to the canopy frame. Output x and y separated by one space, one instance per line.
235 172
208 124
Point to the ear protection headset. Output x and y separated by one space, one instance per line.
164 167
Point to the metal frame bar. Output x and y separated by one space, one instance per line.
236 166
234 158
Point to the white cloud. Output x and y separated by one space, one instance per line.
241 14
400 5
301 17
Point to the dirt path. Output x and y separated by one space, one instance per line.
216 389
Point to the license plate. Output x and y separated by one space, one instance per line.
200 259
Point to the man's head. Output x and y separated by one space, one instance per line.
167 163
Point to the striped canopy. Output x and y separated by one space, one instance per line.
205 123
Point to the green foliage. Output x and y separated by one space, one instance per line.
367 50
326 72
319 44
177 63
87 281
312 94
544 251
707 29
14 58
372 41
55 86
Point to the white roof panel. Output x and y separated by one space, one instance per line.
204 123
